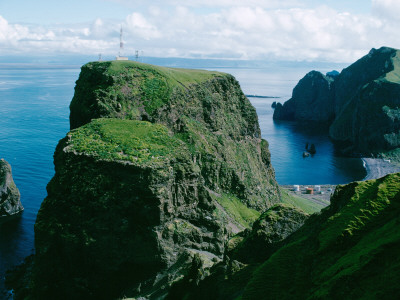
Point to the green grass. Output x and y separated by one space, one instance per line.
369 200
175 76
348 251
394 75
126 140
154 85
302 203
237 210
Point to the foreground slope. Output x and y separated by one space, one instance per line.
162 165
349 251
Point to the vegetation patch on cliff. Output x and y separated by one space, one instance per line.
137 142
236 210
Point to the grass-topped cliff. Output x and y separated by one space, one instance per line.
135 142
161 166
206 110
128 90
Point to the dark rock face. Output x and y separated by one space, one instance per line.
312 100
131 200
227 279
273 226
10 203
360 105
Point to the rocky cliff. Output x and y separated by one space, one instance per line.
162 165
348 251
312 100
360 105
10 203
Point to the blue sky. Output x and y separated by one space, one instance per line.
312 30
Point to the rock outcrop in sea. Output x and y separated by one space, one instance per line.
360 105
160 168
10 203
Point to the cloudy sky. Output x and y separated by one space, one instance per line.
312 30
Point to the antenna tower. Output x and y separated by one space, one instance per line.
121 43
121 48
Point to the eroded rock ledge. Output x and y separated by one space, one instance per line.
10 203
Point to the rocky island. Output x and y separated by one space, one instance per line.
359 106
10 203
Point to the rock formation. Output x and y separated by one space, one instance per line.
360 105
311 100
161 167
10 203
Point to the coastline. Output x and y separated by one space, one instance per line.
378 167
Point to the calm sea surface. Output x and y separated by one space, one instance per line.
34 111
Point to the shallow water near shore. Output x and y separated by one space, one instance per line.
34 116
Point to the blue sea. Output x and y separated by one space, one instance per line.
34 116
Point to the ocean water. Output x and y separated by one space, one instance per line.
286 139
34 115
34 112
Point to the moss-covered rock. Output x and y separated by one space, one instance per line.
161 164
207 110
271 228
244 252
120 209
10 203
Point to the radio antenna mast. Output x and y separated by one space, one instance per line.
121 43
121 47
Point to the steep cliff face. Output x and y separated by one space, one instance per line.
207 110
359 105
10 203
162 165
312 100
369 121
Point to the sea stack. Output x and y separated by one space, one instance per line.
10 203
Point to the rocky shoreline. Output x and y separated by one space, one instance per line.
378 167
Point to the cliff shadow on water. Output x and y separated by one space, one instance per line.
328 165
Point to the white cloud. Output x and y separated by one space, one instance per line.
386 9
141 27
238 29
